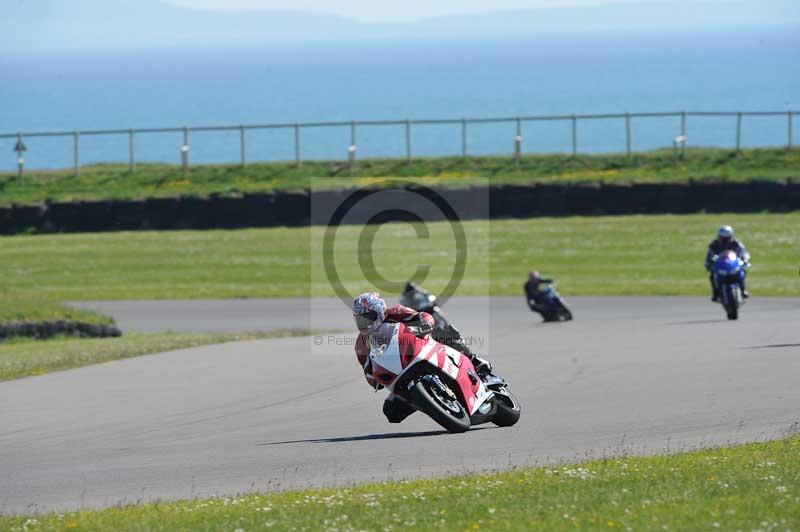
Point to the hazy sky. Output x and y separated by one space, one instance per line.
391 10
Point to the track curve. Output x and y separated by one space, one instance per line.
629 375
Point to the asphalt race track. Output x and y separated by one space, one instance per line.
629 375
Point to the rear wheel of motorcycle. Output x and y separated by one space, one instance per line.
427 402
508 409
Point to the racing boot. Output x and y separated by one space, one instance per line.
482 366
451 337
715 295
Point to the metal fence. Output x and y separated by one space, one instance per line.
679 138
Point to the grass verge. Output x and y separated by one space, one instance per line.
25 358
608 255
114 181
748 487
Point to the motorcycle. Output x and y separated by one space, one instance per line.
549 303
729 270
422 301
441 382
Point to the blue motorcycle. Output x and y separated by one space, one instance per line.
729 271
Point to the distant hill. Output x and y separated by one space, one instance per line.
78 24
60 24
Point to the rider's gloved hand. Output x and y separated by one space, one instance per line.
482 366
420 330
424 329
372 381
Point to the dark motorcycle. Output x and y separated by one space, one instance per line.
423 301
545 300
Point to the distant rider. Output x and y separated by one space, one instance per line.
414 296
373 320
725 241
533 288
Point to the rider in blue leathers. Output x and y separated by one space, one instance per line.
725 241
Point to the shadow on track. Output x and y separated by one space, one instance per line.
368 437
770 346
695 322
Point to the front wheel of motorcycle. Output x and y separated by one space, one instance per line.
732 307
508 409
440 406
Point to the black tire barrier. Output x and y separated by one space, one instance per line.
24 217
260 209
793 196
78 217
160 213
128 215
49 329
6 220
301 207
292 208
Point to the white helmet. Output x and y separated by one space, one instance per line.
726 231
369 311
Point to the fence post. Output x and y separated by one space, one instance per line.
518 143
242 146
574 136
351 151
408 141
132 150
628 134
20 148
298 161
464 138
76 140
185 151
789 130
738 132
683 132
352 133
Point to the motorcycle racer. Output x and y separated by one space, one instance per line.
532 288
725 241
374 323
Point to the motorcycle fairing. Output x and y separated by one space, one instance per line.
728 266
391 360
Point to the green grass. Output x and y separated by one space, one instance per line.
25 358
748 487
106 181
609 255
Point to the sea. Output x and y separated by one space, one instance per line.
539 75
